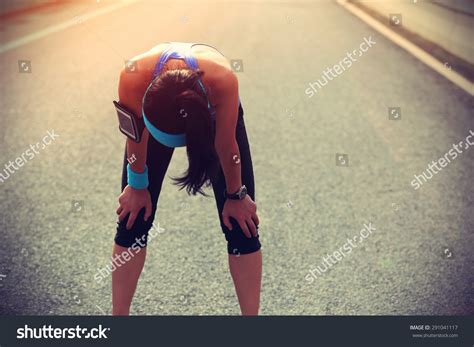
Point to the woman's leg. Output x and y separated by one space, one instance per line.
246 271
125 279
245 257
129 250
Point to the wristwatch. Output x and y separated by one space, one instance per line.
239 195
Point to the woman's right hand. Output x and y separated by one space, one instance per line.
131 202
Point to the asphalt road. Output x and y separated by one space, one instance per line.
57 212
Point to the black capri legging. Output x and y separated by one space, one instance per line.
158 159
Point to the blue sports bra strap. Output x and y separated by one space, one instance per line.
165 55
189 59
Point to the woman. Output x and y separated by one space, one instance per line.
187 94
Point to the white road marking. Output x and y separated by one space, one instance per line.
426 58
101 310
62 26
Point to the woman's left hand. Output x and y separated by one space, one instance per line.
244 212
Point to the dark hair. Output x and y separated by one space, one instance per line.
176 102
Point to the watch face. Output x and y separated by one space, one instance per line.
243 192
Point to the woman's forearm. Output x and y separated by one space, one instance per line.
137 153
229 157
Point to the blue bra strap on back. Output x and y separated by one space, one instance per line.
181 51
169 140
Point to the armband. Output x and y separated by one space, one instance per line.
129 124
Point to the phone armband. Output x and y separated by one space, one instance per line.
129 124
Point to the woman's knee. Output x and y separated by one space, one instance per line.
238 243
137 235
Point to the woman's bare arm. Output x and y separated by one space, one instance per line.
227 92
243 211
132 200
130 95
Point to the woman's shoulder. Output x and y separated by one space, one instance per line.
132 84
135 75
218 72
139 68
219 77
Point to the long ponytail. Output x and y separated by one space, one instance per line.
176 93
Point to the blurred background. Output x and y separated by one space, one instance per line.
324 165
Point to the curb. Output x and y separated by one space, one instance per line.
413 49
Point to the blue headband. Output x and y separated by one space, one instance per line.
169 140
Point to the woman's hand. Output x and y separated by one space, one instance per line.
244 212
132 201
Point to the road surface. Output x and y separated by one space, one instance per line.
57 212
